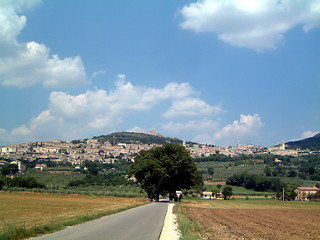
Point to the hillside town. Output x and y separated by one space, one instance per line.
76 152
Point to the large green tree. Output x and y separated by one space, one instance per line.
227 192
164 170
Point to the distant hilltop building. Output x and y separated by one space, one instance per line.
281 150
281 147
245 147
154 133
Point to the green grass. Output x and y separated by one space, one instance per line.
189 229
243 191
240 191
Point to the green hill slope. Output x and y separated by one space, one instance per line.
137 138
312 143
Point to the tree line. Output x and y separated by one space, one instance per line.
255 182
20 182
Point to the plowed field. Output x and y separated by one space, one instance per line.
268 222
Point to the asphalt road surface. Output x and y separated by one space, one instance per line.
141 223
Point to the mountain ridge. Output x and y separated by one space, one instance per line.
311 143
134 138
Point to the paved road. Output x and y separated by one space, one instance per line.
139 223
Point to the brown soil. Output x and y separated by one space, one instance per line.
223 182
270 224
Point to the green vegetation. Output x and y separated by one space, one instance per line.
135 138
255 182
263 173
227 192
163 170
19 182
55 179
98 179
312 143
227 169
189 229
9 169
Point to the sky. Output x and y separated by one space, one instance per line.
208 71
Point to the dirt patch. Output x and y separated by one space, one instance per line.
222 182
251 196
270 224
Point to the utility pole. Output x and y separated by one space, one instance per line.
282 194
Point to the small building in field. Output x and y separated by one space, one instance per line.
207 195
304 192
211 195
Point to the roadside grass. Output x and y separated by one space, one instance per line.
25 215
189 229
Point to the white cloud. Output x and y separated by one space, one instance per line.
192 107
96 74
202 125
255 24
306 134
92 112
137 129
26 64
247 127
206 130
204 138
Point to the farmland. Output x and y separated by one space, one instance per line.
32 213
254 219
228 169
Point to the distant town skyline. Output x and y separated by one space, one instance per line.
211 71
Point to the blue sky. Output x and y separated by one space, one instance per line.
213 72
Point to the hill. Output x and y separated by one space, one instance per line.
312 143
135 138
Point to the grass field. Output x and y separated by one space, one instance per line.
251 219
236 190
24 214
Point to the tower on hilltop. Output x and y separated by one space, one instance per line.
154 133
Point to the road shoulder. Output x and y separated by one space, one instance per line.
170 228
